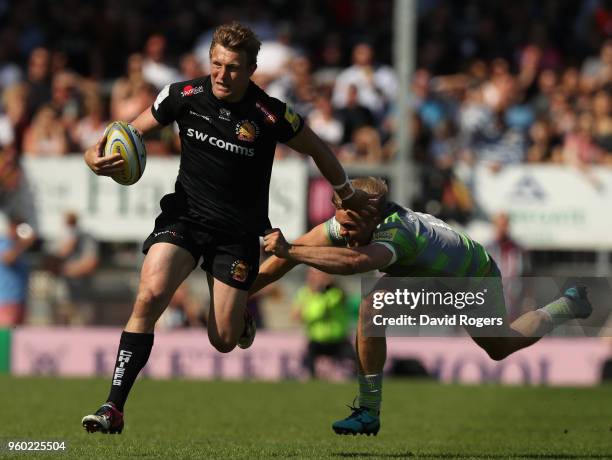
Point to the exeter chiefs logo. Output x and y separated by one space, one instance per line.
247 130
239 270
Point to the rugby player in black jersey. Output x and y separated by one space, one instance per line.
228 129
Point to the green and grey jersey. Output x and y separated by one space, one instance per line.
422 245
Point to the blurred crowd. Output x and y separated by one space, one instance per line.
518 81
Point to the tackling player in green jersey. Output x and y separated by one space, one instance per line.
402 243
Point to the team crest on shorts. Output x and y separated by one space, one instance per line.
239 270
247 130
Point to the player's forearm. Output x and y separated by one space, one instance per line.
145 122
340 261
271 271
329 165
309 143
332 170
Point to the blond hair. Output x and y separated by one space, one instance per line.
373 186
236 37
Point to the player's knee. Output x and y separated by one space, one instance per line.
223 346
151 296
497 348
223 343
497 354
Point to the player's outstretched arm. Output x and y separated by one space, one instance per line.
110 165
308 143
274 268
334 260
145 122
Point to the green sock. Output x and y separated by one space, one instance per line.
370 392
559 311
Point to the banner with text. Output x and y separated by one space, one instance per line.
551 207
112 212
92 351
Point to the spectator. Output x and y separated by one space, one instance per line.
353 115
484 130
320 305
547 83
365 147
543 146
46 136
571 84
15 193
579 148
13 121
14 271
429 108
275 56
75 260
125 101
331 65
529 66
597 70
376 86
296 86
10 72
65 99
155 69
443 145
561 113
38 79
512 260
323 121
90 128
182 311
602 129
190 67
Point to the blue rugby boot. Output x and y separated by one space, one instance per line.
579 304
361 421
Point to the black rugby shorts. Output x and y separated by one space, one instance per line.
232 259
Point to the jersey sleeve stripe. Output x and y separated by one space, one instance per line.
469 255
391 248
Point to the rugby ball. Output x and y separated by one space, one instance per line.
124 139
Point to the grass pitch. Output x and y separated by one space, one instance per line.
194 419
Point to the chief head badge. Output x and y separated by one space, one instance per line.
247 130
239 270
